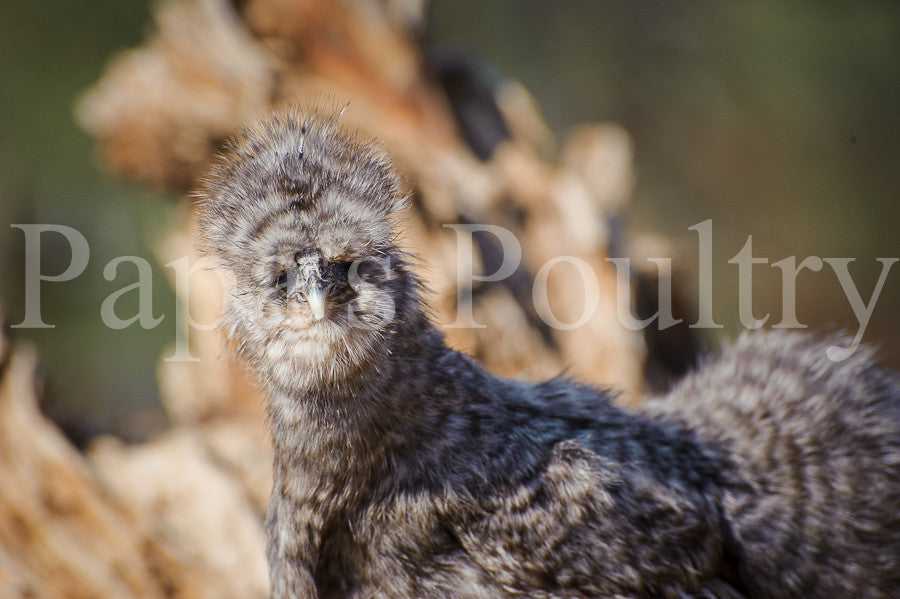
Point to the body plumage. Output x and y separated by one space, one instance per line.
404 469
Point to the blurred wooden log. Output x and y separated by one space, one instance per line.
195 510
174 518
60 535
160 109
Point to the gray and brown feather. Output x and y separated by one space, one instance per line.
403 469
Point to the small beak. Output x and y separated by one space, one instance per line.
307 282
315 297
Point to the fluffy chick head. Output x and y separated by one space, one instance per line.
297 211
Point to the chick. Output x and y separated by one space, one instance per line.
404 469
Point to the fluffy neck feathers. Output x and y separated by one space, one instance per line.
369 403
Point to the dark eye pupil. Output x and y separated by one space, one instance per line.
339 270
281 280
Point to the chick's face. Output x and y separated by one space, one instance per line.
316 275
298 211
314 291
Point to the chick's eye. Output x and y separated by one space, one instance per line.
280 281
340 268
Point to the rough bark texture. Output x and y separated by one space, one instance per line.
164 520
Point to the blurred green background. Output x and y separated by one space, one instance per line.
776 119
98 379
